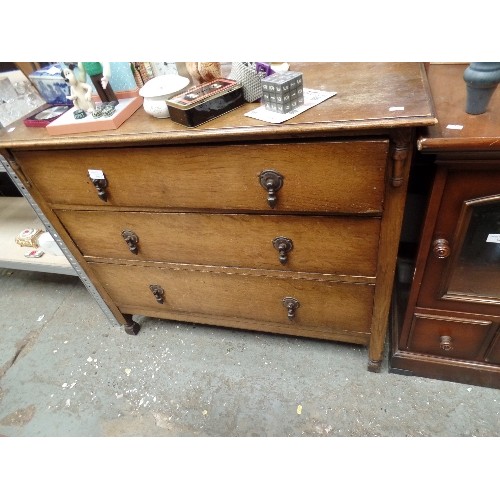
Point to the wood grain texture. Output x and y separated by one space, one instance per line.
336 245
320 176
365 94
328 305
467 336
447 297
449 91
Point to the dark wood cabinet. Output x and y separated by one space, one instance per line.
446 323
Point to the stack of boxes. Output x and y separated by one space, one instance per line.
283 92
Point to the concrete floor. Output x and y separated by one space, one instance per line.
66 371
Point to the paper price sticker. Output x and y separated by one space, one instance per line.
96 174
493 238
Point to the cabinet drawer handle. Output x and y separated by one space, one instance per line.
292 305
445 343
101 185
441 248
283 245
131 239
158 293
272 182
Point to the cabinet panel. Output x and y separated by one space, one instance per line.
343 176
462 271
323 304
448 336
338 245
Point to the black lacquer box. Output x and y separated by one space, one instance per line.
205 102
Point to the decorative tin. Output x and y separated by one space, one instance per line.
205 102
29 237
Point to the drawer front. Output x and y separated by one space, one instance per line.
449 337
338 245
345 176
257 298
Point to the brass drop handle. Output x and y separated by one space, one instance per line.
131 239
158 293
291 305
272 182
445 343
101 185
283 245
441 248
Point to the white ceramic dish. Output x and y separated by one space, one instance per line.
157 90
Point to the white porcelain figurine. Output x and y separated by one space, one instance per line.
80 93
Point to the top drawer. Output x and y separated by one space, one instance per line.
344 176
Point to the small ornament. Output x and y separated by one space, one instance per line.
79 114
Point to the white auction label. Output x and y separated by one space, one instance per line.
493 238
96 174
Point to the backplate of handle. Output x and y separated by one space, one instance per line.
291 304
131 239
445 342
283 246
272 182
100 186
158 293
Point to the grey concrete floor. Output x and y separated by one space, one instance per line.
66 371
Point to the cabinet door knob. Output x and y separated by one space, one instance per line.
291 305
441 248
131 239
101 185
158 293
283 245
272 182
445 343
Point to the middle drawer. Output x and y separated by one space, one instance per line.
318 244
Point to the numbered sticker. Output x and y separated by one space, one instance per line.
493 238
96 174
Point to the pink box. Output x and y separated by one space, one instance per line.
68 124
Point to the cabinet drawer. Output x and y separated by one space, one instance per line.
449 337
338 245
326 305
345 176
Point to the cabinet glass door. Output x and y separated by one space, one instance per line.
474 267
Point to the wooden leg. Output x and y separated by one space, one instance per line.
374 366
131 327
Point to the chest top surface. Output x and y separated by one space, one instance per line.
369 96
457 130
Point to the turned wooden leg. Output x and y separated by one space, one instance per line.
374 366
131 327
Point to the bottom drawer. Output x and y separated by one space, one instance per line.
449 337
326 306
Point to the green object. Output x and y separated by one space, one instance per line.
92 68
79 114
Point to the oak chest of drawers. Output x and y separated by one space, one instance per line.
289 228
